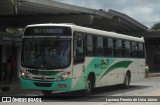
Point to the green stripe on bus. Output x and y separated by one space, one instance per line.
95 66
122 64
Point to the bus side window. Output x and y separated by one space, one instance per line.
134 49
99 47
110 46
127 49
115 47
105 41
89 45
119 48
141 50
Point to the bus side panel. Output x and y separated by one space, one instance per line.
81 72
141 68
78 77
116 71
134 69
98 66
137 69
108 71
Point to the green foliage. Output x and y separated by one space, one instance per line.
155 27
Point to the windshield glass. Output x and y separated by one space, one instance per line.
50 53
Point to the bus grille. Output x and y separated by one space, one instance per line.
42 84
44 79
44 72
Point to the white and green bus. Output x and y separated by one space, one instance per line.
67 57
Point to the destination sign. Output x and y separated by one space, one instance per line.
48 31
62 31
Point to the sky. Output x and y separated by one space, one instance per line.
146 12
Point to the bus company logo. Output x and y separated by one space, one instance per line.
43 78
103 64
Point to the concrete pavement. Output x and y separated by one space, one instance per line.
151 92
148 90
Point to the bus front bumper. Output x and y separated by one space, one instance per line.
40 85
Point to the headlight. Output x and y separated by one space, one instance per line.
64 76
24 75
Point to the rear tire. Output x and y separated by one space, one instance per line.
126 83
47 92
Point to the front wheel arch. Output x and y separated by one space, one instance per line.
90 83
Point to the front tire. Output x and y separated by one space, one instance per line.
90 85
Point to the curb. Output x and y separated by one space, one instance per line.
154 75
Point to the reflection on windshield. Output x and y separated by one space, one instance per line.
48 53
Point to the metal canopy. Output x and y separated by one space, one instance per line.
24 12
45 7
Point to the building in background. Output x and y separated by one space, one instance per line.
16 14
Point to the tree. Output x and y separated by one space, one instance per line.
155 27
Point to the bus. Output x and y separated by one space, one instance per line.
66 57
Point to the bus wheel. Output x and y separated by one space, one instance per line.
126 81
90 85
47 92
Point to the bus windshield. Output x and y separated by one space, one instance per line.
49 53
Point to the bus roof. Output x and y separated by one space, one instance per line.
92 31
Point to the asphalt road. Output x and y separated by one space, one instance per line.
98 97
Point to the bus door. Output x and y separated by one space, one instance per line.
78 64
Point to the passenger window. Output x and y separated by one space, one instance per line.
119 48
127 49
134 49
110 47
89 45
114 47
99 47
141 50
